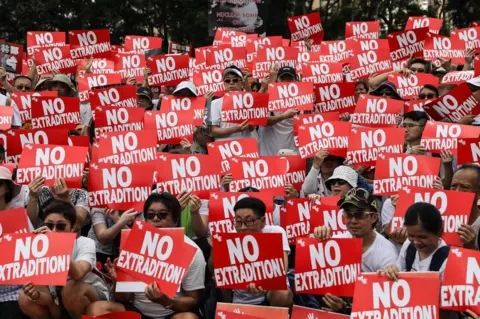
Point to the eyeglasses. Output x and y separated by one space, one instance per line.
417 70
59 227
356 215
410 125
163 214
234 81
248 223
338 182
23 87
427 96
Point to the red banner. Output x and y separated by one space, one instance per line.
181 172
223 151
370 57
115 119
335 97
305 26
6 117
168 69
264 312
237 107
63 112
330 266
460 284
87 43
48 59
374 111
454 206
130 65
362 30
209 80
292 95
270 56
41 260
468 151
445 48
366 143
325 212
14 221
42 39
322 72
470 36
121 96
439 136
409 87
139 44
241 259
395 171
379 297
310 313
406 44
23 100
332 136
434 25
221 57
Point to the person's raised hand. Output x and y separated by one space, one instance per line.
334 303
391 271
61 189
253 289
226 180
87 64
406 72
467 119
153 293
3 74
128 216
469 56
345 117
291 192
31 292
322 232
467 235
437 183
418 150
184 198
288 114
41 230
242 126
35 186
319 157
185 143
110 268
195 203
209 95
399 235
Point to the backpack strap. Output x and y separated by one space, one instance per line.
438 258
410 256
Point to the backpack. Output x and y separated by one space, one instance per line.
437 259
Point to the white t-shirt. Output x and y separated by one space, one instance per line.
194 280
17 120
216 120
387 211
276 137
19 201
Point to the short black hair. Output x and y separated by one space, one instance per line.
254 204
2 150
426 215
472 167
257 85
10 188
21 77
167 199
431 88
364 83
417 116
62 208
428 65
249 189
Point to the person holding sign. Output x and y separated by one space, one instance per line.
321 170
83 286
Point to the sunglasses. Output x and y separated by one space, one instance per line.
427 96
356 215
234 81
59 227
338 182
417 70
161 215
23 87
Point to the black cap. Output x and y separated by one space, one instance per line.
286 70
145 91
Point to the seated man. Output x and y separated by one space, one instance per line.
161 211
83 286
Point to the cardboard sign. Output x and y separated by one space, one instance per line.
118 96
470 36
310 313
244 258
168 69
468 151
223 151
305 26
89 81
433 25
374 111
87 43
42 259
322 72
253 45
454 206
180 172
140 44
269 56
130 65
178 48
460 285
396 171
117 315
302 119
330 266
120 187
332 136
146 246
48 59
240 106
445 48
366 143
116 119
11 56
377 296
297 218
264 312
336 51
439 136
266 173
221 57
14 221
369 58
409 87
52 162
58 112
23 100
209 80
458 77
42 39
6 117
292 95
221 215
325 212
362 30
335 97
454 105
406 44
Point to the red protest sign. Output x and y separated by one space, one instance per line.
405 44
264 312
395 171
454 206
237 107
470 36
415 105
310 313
409 87
369 57
336 51
122 96
458 77
115 119
454 105
6 117
87 43
366 143
305 26
292 95
209 80
376 111
41 39
322 72
222 33
302 119
181 172
168 69
434 25
266 173
220 209
439 136
140 44
335 97
269 56
297 218
253 45
130 65
52 162
297 171
23 100
42 259
58 58
476 65
445 48
332 136
86 82
468 151
317 262
117 315
223 151
325 212
56 112
99 66
460 284
362 30
153 245
221 57
236 253
13 221
378 296
126 282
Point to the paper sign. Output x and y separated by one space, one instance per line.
305 26
115 119
322 72
470 36
264 312
310 313
297 218
325 212
332 136
406 44
369 58
468 151
223 151
438 136
41 39
362 30
121 96
209 80
269 56
178 48
58 112
335 97
23 100
221 57
130 65
336 51
168 69
14 221
445 48
292 95
89 81
458 77
434 25
376 111
87 43
237 107
6 117
140 44
117 315
415 105
302 119
48 59
409 87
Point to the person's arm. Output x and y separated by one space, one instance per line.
447 162
187 302
107 235
78 269
272 120
32 204
198 226
32 73
3 80
310 184
82 215
375 81
217 131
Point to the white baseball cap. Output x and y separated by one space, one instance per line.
186 85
